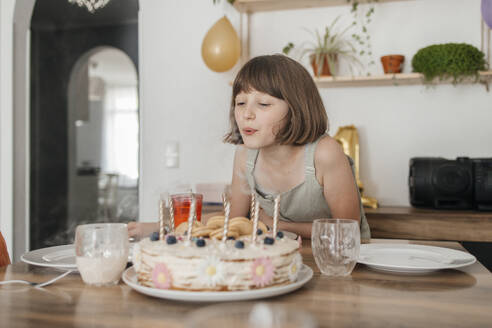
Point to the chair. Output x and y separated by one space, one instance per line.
4 254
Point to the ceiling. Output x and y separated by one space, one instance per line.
60 14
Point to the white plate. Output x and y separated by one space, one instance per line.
412 258
130 278
61 257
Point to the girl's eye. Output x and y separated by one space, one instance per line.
239 103
264 104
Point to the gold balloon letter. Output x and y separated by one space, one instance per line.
221 47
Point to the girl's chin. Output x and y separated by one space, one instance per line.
255 144
251 144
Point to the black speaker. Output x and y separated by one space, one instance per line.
441 183
483 183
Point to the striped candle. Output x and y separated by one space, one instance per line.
275 215
224 201
161 219
171 214
255 222
227 212
252 206
191 217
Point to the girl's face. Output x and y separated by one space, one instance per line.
259 117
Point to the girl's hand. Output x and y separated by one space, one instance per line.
300 228
140 230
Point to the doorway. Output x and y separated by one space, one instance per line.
83 107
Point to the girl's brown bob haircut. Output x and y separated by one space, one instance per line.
283 78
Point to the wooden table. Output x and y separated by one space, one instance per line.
447 298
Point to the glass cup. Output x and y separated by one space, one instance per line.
336 245
181 207
101 252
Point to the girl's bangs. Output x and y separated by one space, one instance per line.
257 76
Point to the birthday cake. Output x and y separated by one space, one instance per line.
208 264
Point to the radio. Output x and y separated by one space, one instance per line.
463 183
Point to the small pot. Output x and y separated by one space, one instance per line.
392 63
325 67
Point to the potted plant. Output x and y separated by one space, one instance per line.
449 60
392 63
327 49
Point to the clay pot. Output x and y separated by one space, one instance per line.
392 63
325 67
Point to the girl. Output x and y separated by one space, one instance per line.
278 118
279 122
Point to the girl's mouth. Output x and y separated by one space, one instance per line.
249 131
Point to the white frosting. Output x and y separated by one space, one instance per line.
229 268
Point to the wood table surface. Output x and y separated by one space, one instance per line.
446 298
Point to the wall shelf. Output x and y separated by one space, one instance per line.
248 7
429 224
252 6
387 80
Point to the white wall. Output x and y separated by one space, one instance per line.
182 99
6 123
395 123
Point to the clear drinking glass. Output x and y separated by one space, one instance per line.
336 245
101 252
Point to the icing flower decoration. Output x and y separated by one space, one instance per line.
294 267
161 276
211 271
262 271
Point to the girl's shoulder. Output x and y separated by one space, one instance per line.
328 154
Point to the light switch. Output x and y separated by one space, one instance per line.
171 154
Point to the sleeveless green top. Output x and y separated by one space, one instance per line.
303 203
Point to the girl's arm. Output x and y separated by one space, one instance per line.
334 173
240 196
140 230
240 192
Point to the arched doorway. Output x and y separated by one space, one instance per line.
103 133
65 182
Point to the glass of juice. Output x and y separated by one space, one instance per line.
181 207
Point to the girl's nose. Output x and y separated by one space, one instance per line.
249 113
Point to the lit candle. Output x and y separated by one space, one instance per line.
275 215
191 217
171 214
255 221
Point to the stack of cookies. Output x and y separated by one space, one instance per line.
238 227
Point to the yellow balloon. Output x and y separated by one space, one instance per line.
221 47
